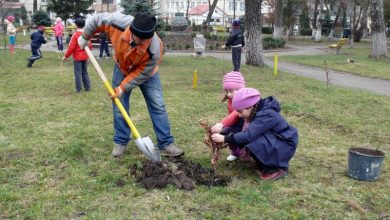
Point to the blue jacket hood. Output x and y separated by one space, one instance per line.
269 103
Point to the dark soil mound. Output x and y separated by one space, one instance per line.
177 172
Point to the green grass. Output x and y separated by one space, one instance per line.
363 65
55 147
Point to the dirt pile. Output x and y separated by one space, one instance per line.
178 172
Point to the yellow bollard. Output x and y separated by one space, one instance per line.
276 65
195 80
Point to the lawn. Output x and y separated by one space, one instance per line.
362 65
55 147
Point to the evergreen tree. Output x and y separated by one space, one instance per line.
304 21
132 7
41 18
69 8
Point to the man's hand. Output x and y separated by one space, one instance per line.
118 93
217 128
82 41
218 138
223 46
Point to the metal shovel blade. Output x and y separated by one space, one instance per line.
146 146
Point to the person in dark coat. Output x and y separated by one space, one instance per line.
37 40
266 134
103 45
237 42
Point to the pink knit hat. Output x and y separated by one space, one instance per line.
233 80
11 18
58 20
245 98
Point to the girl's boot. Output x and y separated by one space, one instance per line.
11 49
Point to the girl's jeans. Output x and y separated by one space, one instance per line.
60 45
152 92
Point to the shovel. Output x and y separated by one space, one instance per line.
144 144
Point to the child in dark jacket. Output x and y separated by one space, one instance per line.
37 40
232 82
237 41
80 58
270 139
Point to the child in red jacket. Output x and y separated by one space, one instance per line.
80 58
232 82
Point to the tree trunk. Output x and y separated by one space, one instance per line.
379 44
334 23
363 23
314 23
254 44
319 23
278 27
211 10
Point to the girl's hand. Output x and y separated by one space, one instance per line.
218 138
217 128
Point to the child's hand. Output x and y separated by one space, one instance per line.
63 58
217 128
218 138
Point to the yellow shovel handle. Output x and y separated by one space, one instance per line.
112 92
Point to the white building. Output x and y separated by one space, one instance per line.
224 10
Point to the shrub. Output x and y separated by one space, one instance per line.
266 30
305 32
269 43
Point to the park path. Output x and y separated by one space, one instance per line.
378 86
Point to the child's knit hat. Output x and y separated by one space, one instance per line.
245 98
11 18
236 23
58 20
41 28
233 80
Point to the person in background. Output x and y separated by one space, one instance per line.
267 135
11 32
103 45
237 42
138 52
37 39
80 58
58 31
232 82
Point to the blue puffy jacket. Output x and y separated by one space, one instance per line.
269 137
37 39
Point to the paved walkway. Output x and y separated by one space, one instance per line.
378 86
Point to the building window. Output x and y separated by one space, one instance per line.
231 6
182 4
177 4
11 1
108 1
242 6
192 4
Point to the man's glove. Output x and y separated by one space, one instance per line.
82 41
118 93
223 46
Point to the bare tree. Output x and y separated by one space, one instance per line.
278 26
378 35
253 23
319 23
340 7
211 11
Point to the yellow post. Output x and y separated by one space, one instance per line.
195 79
276 65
